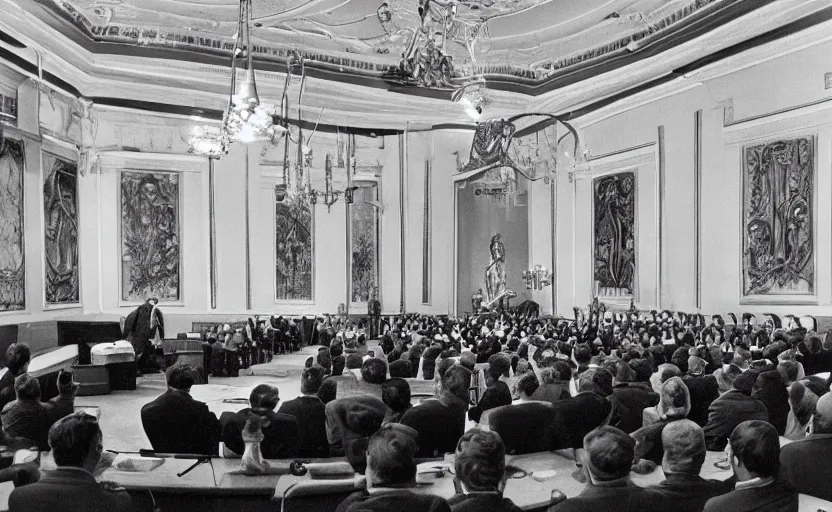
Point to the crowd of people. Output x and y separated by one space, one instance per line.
618 393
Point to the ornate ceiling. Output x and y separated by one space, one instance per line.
535 55
528 40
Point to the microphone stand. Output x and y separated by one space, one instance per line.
200 458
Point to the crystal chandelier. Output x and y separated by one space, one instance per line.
246 119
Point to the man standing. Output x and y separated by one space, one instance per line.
176 423
140 330
374 311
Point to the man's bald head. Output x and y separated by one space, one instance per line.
822 424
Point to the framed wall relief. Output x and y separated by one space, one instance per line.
364 246
778 221
151 262
294 250
60 214
614 205
12 228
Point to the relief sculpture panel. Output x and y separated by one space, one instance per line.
778 218
150 239
60 214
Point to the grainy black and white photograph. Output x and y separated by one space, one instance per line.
416 255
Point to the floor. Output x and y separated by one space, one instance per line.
120 410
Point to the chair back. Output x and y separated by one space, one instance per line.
524 428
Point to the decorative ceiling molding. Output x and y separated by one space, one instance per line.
176 29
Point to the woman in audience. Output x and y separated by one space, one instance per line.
18 356
480 468
554 383
391 471
674 405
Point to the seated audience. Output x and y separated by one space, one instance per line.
441 422
28 417
281 437
770 389
754 453
682 490
310 413
608 454
807 464
391 471
395 393
372 375
76 443
632 394
497 392
480 469
577 416
732 408
18 356
176 423
674 405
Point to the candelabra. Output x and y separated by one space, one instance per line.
537 278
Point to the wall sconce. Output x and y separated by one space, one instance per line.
537 278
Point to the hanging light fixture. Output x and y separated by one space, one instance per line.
246 119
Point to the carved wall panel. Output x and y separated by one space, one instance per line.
150 238
294 250
60 209
12 245
614 241
778 218
364 225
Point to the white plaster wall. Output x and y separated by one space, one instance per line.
786 82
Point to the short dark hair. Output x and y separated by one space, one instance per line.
27 387
72 437
311 379
328 390
456 382
443 366
374 371
528 383
182 376
499 366
480 460
338 363
391 456
788 370
265 396
756 444
17 355
563 370
395 393
643 370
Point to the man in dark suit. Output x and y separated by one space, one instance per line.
441 422
281 438
755 456
807 464
731 409
310 413
683 490
76 449
176 423
632 394
577 416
